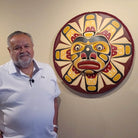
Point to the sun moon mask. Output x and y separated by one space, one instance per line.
93 52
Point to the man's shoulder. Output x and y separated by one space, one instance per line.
46 68
4 69
4 66
43 65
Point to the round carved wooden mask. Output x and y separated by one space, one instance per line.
93 52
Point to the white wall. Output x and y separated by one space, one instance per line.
112 115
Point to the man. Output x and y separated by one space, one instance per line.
28 93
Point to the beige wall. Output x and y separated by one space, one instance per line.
114 115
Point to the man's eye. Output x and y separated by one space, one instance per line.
26 46
77 47
99 47
16 48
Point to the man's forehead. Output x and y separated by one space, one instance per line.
20 38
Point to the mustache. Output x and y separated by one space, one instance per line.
24 54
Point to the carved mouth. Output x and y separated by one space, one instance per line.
88 65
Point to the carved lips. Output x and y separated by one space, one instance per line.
88 65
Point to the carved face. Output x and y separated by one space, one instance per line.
90 55
93 52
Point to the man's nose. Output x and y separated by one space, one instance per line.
22 49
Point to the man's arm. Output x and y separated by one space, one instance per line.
1 136
55 121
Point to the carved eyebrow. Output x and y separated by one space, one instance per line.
98 38
81 39
92 39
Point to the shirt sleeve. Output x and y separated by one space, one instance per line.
52 75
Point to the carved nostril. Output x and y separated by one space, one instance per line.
92 56
83 55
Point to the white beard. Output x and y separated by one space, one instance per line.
23 63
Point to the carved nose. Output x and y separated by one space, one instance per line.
88 53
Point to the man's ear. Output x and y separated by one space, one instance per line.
9 49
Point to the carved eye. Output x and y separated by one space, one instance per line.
99 47
77 47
